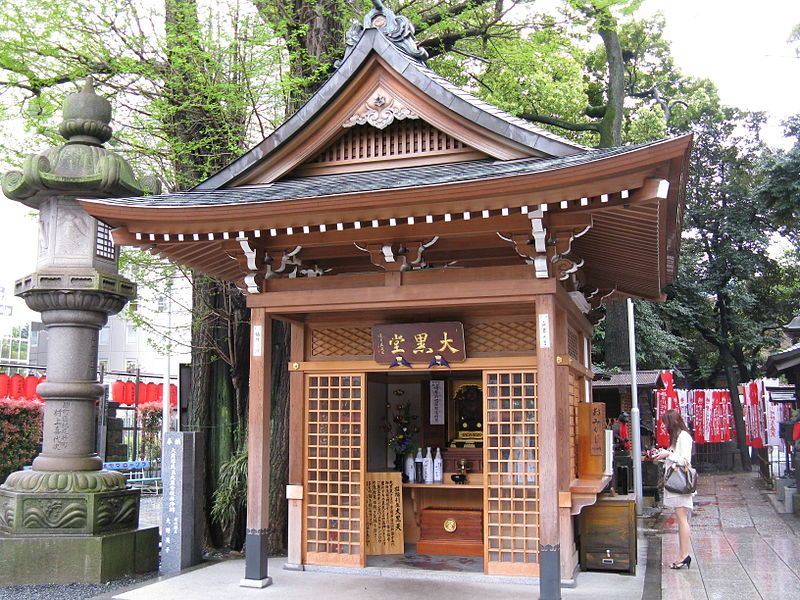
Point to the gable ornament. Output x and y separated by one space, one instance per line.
396 28
380 111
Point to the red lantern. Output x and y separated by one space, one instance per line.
118 392
152 392
31 381
17 387
173 395
5 383
130 392
141 393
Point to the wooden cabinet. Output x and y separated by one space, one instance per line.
608 535
451 531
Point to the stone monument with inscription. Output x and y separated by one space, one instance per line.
67 519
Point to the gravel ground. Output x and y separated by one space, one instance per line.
71 591
149 516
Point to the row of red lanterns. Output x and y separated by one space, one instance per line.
124 392
19 387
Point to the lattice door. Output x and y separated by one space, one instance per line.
511 473
334 469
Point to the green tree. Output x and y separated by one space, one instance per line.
724 300
780 191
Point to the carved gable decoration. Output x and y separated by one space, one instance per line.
406 140
380 110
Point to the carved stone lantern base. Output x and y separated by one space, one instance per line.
72 526
78 503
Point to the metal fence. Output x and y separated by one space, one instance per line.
715 456
773 462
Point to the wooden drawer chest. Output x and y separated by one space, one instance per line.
608 535
451 531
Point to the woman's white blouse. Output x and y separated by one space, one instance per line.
682 453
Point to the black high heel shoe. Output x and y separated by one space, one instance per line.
686 562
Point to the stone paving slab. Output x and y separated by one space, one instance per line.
741 547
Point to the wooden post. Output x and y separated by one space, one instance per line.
549 542
258 424
294 492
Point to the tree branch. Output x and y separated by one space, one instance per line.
555 121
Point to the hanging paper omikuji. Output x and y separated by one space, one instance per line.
666 399
754 420
708 413
699 416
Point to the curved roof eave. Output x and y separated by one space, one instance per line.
516 130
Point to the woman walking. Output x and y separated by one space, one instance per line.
680 453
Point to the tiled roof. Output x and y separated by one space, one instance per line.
499 122
623 379
347 183
783 360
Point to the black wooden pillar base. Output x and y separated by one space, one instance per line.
256 555
549 572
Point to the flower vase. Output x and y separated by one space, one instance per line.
399 465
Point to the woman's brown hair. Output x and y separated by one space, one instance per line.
673 421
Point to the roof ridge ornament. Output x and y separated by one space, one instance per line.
396 28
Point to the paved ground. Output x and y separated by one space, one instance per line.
741 547
221 581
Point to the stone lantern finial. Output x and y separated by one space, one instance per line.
86 117
82 167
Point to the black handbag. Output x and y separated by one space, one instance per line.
680 479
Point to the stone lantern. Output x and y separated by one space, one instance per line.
67 519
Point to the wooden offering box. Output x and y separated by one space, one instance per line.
451 531
608 535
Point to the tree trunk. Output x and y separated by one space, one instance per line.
279 438
314 34
726 359
738 413
610 127
199 392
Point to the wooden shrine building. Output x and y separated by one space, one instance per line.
394 198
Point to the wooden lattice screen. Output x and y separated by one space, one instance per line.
511 473
334 469
401 139
572 344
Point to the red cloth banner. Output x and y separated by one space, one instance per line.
699 416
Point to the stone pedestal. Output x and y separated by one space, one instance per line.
67 559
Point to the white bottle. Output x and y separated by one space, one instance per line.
409 468
437 467
418 462
427 467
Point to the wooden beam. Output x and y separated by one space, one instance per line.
403 297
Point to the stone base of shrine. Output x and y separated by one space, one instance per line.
30 560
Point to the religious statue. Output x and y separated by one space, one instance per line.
468 416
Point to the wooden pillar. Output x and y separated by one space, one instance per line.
258 427
294 492
567 549
549 542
